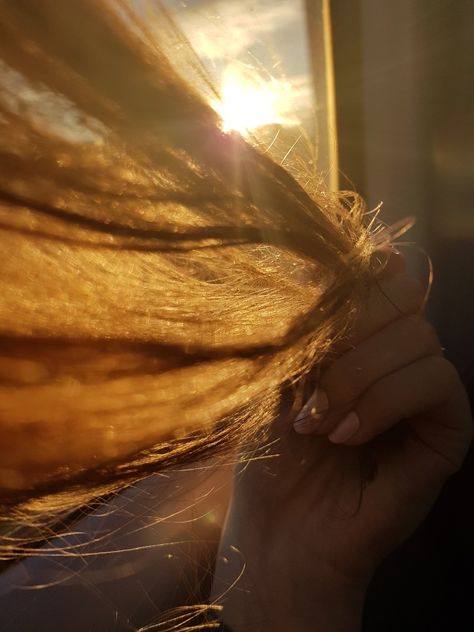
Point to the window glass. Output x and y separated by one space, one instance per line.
270 61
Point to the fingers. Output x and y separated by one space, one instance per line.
429 398
397 374
390 299
391 369
407 393
401 343
389 261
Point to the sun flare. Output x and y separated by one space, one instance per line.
249 102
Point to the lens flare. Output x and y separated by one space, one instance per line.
248 101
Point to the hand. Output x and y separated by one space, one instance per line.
312 524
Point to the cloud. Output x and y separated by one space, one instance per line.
224 30
263 39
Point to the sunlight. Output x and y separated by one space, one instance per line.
249 102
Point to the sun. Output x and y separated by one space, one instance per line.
248 102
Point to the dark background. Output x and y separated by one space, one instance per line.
404 75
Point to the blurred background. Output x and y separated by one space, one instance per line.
369 95
404 85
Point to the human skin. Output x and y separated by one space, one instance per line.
310 521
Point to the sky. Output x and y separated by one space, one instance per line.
270 39
265 34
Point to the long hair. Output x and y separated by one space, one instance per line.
161 281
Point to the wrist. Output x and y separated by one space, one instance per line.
262 599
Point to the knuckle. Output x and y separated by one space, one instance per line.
340 384
443 373
424 333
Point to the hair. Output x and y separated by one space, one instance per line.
162 282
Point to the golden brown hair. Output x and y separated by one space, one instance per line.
161 281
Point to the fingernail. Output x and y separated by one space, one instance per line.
312 412
345 429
